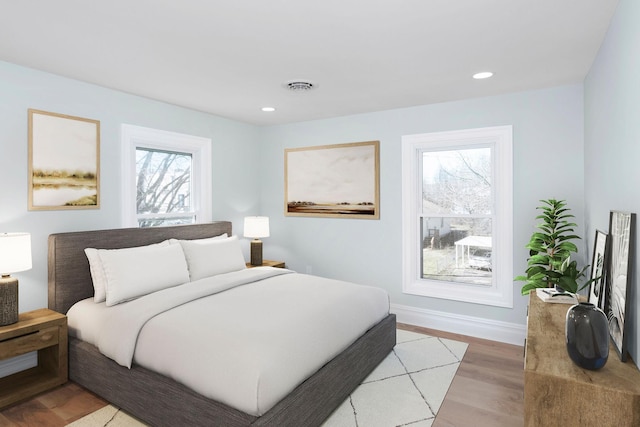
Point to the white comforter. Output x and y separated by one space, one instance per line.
246 338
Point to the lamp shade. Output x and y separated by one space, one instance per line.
256 226
15 252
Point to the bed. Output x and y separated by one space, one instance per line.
160 400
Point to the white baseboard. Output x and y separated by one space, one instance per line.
18 363
495 330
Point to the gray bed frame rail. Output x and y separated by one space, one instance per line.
161 401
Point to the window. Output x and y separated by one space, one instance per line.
166 177
457 215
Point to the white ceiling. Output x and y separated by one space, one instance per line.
230 58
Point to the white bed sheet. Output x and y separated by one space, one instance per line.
251 345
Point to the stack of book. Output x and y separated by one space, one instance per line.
554 296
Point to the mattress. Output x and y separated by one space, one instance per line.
248 343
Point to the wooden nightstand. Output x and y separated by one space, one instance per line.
44 331
268 263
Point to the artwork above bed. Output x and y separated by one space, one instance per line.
340 180
296 336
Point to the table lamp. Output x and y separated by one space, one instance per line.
15 256
256 227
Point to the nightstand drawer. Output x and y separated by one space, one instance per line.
29 342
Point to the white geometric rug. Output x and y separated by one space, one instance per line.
406 389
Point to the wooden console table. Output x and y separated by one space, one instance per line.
559 393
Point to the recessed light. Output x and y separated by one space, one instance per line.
483 75
268 109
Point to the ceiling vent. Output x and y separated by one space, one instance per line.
299 86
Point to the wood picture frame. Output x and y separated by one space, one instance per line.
339 181
64 161
599 269
622 247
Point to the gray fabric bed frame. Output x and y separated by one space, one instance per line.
161 401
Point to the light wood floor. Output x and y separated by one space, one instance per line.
488 390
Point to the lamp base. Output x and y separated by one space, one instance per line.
8 300
256 252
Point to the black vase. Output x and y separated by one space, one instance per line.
587 336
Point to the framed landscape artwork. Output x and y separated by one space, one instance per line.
621 233
64 162
340 180
598 270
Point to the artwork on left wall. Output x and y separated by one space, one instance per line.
64 161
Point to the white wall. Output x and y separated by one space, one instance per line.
612 138
235 192
548 163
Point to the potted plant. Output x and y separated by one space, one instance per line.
550 264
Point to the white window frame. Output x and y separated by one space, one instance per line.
500 139
134 137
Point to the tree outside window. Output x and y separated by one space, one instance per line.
163 186
456 215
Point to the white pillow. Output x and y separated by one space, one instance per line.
208 257
134 272
97 275
97 271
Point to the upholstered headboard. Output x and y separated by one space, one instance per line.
69 275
